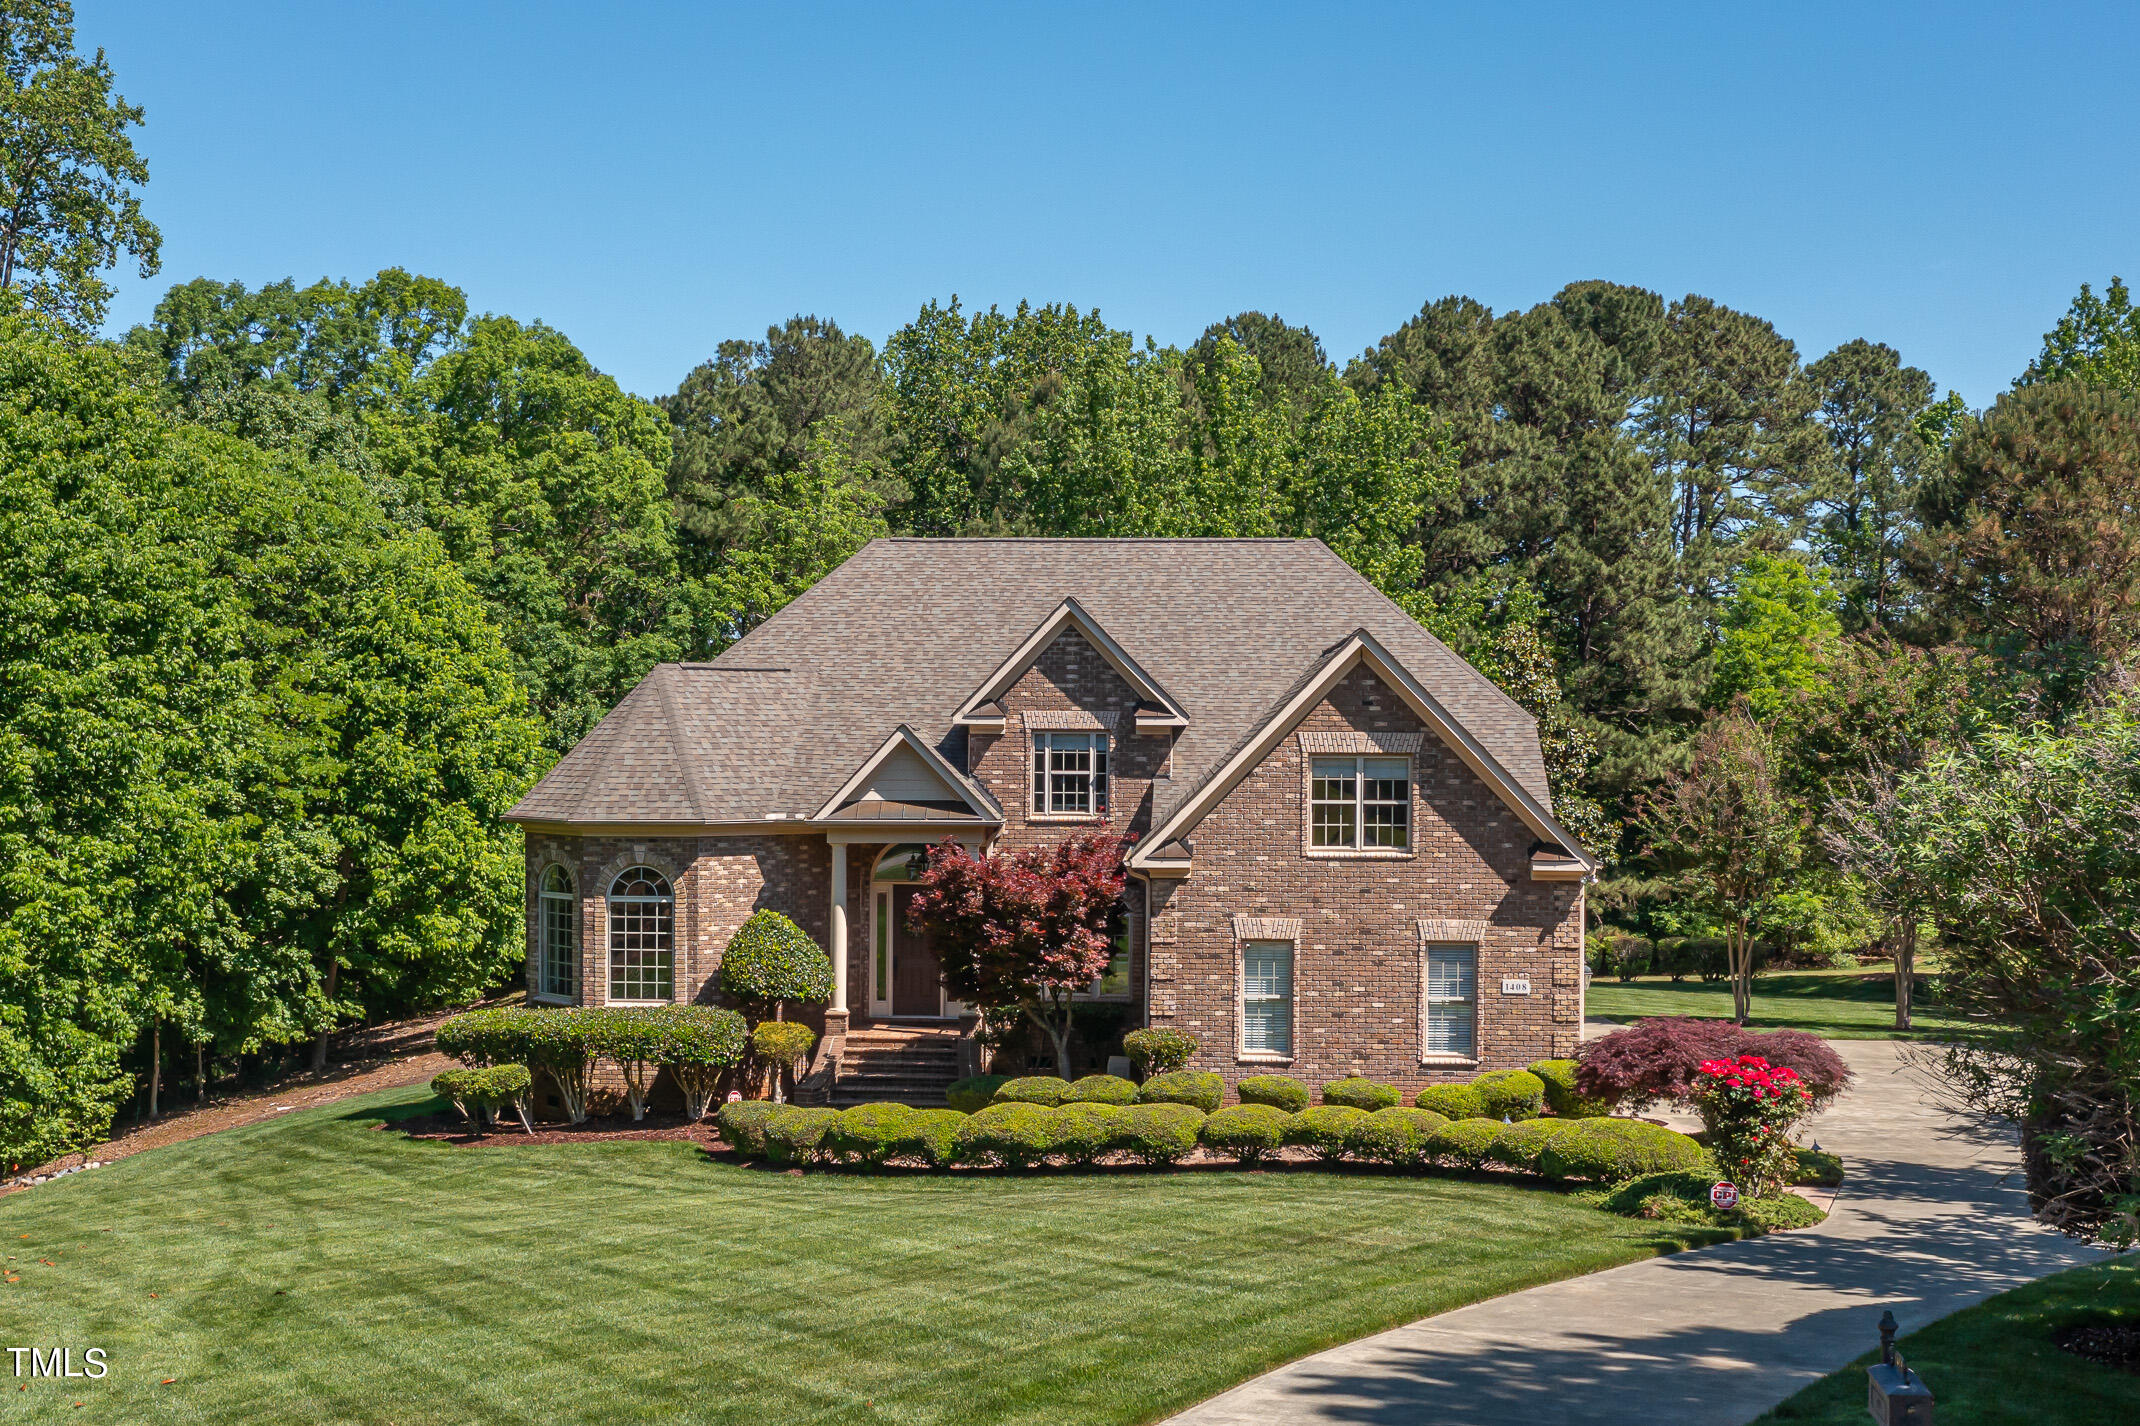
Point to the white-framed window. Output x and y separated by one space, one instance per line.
557 940
1069 774
1452 1001
642 936
1361 804
1267 997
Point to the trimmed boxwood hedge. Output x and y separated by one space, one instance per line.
795 1134
1101 1089
1609 1150
1277 1090
932 1137
1202 1089
1087 1131
1046 1089
975 1092
1325 1130
1014 1134
1510 1094
742 1125
1158 1051
1395 1136
1518 1145
1464 1142
1159 1133
1562 1097
1245 1133
870 1134
1455 1101
1361 1093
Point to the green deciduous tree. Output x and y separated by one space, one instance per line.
67 212
2097 341
1777 627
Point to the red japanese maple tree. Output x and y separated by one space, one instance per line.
1026 929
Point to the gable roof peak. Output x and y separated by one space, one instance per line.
982 709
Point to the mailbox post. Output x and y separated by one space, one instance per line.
1895 1395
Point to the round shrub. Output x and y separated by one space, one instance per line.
1245 1132
771 960
460 1088
1464 1142
1562 1097
561 1045
870 1134
1044 1089
699 1043
1159 1133
1158 1051
1519 1145
1014 1134
932 1137
1609 1150
1361 1093
1395 1136
796 1135
1086 1131
1510 1094
781 1042
975 1092
496 1034
1325 1130
1276 1090
1456 1101
742 1125
1101 1089
1202 1089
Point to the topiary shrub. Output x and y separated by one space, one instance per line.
932 1137
1159 1051
633 1037
1510 1094
508 1086
1246 1133
1014 1134
1464 1142
1200 1088
1454 1101
1562 1097
870 1134
1159 1133
742 1125
1361 1093
1086 1131
795 1135
770 961
1609 1150
462 1088
1277 1090
975 1092
1046 1089
1519 1145
1101 1089
561 1047
699 1044
1653 1060
494 1034
1394 1135
1325 1130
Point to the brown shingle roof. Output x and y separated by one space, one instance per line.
908 628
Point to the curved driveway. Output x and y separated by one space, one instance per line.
1931 1219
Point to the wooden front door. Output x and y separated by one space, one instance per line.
917 984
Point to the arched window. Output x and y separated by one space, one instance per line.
642 936
557 950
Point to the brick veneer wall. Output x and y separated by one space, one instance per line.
1358 960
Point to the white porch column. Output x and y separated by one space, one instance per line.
839 927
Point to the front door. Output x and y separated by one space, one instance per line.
917 982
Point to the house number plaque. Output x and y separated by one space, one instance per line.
1516 987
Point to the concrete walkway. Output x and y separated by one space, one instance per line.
1932 1218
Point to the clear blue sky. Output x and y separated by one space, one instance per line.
654 178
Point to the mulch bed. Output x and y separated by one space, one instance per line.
451 1128
2109 1345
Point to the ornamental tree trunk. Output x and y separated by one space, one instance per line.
1905 969
1058 1032
155 1060
1740 949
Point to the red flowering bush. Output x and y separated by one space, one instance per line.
1749 1107
1660 1059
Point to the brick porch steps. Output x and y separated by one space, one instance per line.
898 1063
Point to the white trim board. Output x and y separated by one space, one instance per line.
903 736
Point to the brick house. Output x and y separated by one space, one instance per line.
1345 857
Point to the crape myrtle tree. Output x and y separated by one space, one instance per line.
1025 930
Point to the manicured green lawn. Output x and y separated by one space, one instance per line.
314 1269
1841 1005
1995 1364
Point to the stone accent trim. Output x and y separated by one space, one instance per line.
1068 720
1436 933
1376 740
1267 928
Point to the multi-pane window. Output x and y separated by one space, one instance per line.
1115 979
1452 1000
1267 997
557 963
642 937
1070 774
1361 803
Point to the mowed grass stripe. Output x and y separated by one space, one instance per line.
312 1268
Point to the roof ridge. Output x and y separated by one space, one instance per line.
664 680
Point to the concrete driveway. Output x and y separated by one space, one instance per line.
1932 1218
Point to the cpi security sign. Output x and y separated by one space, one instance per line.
1724 1197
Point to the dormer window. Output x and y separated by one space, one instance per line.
1069 774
